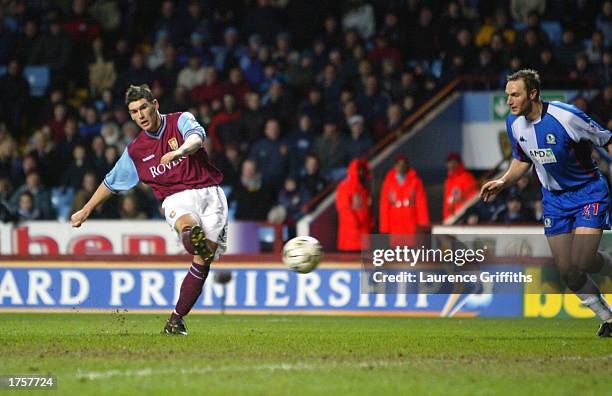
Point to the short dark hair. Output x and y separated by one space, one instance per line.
530 78
137 92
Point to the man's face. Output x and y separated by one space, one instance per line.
401 167
144 113
519 101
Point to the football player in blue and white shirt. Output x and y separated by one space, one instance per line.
557 139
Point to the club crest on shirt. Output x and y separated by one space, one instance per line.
173 144
551 139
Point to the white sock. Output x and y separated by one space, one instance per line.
590 296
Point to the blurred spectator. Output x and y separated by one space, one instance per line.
292 197
568 49
353 203
358 142
263 13
271 156
26 209
237 86
224 126
39 196
422 41
521 8
193 74
372 103
314 107
459 187
515 212
228 162
311 179
25 42
595 48
136 74
167 72
251 122
253 198
92 126
14 97
500 25
330 149
58 121
403 203
102 73
130 209
300 142
359 15
603 22
54 48
210 89
85 191
601 105
73 176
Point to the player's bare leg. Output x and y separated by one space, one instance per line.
194 240
570 252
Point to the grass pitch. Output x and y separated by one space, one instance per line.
125 355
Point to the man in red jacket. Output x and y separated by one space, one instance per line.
459 187
353 204
403 203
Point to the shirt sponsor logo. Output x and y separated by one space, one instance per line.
162 168
543 156
150 157
551 139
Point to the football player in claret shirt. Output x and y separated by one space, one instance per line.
557 138
168 156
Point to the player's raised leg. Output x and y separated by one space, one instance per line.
195 242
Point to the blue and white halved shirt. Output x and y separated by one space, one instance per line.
558 144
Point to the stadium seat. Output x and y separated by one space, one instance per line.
553 29
38 77
61 199
436 68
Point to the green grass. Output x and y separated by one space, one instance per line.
125 355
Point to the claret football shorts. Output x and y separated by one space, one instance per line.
208 206
586 206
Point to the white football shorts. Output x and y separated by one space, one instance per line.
208 206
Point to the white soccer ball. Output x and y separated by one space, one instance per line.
302 254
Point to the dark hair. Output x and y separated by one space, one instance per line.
530 78
137 92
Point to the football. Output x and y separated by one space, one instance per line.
302 254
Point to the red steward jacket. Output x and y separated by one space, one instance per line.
403 206
353 205
459 186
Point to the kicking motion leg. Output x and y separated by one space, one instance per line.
192 285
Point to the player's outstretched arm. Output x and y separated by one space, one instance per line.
490 189
192 144
101 195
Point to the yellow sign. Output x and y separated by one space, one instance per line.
546 304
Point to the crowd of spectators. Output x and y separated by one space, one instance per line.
289 91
